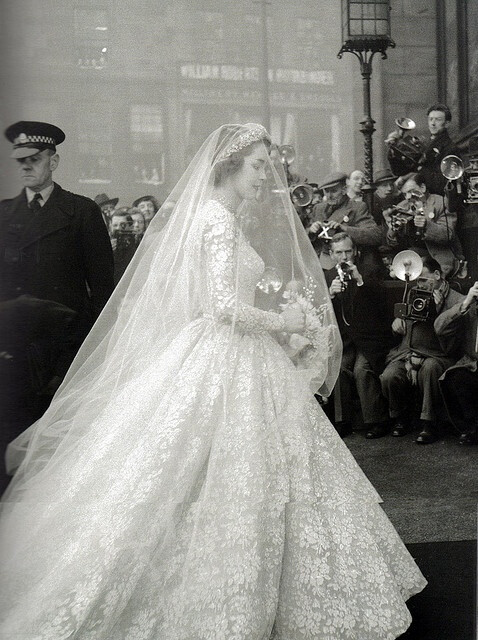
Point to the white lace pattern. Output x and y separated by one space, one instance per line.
207 500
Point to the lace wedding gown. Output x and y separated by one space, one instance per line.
209 501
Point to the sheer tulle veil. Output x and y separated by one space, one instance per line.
163 290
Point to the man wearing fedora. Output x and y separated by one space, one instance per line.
107 206
54 247
337 213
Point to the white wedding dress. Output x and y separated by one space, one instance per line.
208 501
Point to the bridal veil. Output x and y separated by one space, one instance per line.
162 291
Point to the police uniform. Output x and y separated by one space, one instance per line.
59 252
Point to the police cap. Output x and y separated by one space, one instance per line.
29 137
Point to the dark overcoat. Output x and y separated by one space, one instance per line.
62 254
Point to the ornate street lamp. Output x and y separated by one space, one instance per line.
365 32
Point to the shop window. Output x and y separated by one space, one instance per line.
95 146
147 143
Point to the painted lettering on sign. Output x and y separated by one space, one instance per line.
236 73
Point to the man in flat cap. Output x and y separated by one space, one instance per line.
54 247
337 213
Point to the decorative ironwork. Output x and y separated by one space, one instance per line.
365 32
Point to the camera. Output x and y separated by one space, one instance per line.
345 272
124 234
419 302
453 169
403 218
471 181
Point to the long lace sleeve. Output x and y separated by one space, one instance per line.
220 247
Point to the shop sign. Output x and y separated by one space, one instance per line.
237 73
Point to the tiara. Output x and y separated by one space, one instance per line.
254 133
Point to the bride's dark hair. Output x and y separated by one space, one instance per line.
228 163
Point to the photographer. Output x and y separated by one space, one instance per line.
305 192
386 193
421 358
459 384
421 222
339 213
434 148
361 315
123 240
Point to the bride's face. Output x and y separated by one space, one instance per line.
247 182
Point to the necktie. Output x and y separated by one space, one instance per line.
35 205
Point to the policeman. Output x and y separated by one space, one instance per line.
55 249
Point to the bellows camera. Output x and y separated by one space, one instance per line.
419 302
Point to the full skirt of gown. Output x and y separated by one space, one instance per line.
209 501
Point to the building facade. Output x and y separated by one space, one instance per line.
138 86
137 92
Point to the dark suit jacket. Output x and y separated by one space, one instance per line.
435 150
363 319
429 165
62 254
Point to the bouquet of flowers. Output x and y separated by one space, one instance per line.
303 348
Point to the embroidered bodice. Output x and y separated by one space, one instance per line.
233 269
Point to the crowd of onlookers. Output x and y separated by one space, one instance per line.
126 226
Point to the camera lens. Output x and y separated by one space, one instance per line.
418 304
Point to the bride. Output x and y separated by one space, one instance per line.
184 483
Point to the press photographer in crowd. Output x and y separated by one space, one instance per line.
459 384
386 193
421 358
304 196
422 223
339 213
407 152
123 240
359 306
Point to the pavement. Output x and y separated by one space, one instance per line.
429 492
